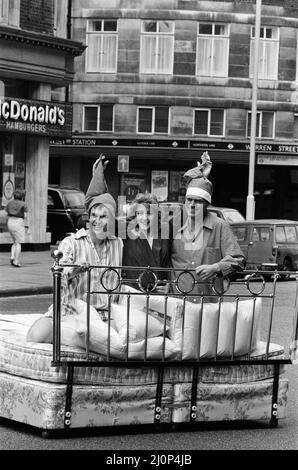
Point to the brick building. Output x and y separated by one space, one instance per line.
36 57
162 81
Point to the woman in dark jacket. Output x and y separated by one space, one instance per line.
147 238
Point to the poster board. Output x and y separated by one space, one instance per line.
160 184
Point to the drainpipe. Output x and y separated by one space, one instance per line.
68 35
69 12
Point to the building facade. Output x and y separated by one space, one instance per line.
36 58
162 81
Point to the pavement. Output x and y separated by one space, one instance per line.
34 277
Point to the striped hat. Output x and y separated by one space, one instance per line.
200 188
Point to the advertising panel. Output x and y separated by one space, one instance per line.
35 117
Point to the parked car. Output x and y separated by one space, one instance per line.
227 213
269 242
66 211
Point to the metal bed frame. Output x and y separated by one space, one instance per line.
254 290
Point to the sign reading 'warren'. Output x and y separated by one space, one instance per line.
35 117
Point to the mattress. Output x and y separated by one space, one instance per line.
220 402
33 360
42 404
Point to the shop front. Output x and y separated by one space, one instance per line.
32 65
25 128
138 165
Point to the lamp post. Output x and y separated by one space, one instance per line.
250 201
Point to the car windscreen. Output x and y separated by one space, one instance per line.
74 199
233 216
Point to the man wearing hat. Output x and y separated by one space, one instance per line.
97 246
205 245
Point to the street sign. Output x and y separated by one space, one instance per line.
123 163
284 160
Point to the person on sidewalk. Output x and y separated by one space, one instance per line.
97 246
16 210
205 244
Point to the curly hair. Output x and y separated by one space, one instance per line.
146 199
19 194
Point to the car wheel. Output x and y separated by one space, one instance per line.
287 266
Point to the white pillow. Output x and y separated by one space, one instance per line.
157 305
137 324
247 326
205 335
154 349
74 331
69 327
98 338
187 335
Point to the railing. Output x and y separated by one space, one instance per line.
224 303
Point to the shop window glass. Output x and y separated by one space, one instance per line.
102 50
268 53
98 118
212 50
209 122
157 47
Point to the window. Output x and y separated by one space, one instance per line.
157 47
255 236
240 233
98 118
102 40
265 125
264 234
209 122
268 53
260 234
212 50
3 11
60 18
280 235
153 120
51 203
295 127
291 234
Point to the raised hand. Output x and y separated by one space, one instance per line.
100 161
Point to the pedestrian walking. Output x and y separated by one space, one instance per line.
16 210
